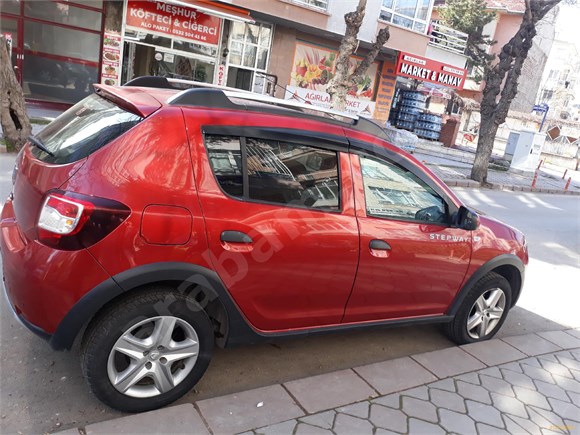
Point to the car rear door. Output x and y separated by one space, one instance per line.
412 260
279 212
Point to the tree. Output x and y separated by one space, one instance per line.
343 80
13 117
470 16
496 99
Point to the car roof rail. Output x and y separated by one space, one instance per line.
192 96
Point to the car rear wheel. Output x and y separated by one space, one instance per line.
482 312
147 351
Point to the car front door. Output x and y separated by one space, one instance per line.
412 260
280 222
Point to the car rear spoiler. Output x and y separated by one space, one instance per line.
134 100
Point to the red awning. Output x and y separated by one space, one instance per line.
220 10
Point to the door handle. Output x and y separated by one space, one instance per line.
379 245
235 237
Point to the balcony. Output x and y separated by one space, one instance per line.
447 38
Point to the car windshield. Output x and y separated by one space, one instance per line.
84 128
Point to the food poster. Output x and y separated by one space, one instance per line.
314 67
111 67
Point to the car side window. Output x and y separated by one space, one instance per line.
276 171
396 193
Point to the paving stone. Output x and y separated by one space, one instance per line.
387 418
549 432
509 405
572 426
381 431
569 362
525 424
532 362
497 385
573 332
518 379
360 409
565 409
348 425
553 418
493 352
485 429
445 384
555 368
551 390
473 392
531 344
567 384
540 420
452 421
538 373
306 429
392 401
548 357
419 408
422 427
561 338
395 375
491 371
575 397
512 427
471 378
238 412
512 367
284 428
530 397
325 420
72 431
419 393
484 413
330 390
184 419
448 362
448 400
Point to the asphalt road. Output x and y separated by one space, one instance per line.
43 391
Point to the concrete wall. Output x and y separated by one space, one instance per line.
445 56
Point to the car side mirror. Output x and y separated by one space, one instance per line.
467 219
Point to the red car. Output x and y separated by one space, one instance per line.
154 223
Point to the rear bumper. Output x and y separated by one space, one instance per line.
20 319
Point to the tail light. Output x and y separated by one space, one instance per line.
71 221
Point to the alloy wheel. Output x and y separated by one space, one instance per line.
486 313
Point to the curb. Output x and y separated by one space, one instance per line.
507 187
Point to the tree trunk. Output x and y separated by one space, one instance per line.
13 117
505 72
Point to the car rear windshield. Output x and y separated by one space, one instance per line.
81 130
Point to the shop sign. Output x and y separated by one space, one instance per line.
173 21
221 75
428 70
385 92
111 67
355 106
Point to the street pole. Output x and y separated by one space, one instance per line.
543 119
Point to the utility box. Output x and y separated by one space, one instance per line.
525 150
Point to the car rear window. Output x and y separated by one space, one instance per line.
83 129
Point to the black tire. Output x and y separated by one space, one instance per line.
103 333
457 329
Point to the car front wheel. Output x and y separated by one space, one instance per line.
147 351
483 310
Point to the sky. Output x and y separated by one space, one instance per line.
567 24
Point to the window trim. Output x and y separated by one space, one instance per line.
414 18
216 130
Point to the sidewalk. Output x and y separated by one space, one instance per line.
453 166
522 384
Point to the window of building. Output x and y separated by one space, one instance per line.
412 14
553 74
249 49
393 192
275 171
314 4
547 95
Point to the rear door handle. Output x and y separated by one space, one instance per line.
235 237
379 245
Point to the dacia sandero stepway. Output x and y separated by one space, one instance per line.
152 223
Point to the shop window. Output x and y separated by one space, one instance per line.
64 14
321 5
61 41
249 50
411 14
10 7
